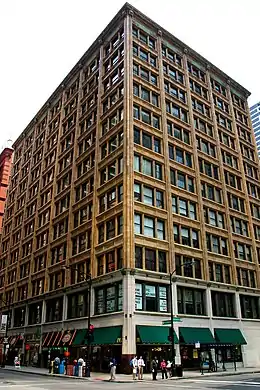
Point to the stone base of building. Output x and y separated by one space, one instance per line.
125 367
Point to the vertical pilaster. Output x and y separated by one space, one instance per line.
168 189
222 178
43 317
65 307
203 243
238 306
128 174
93 267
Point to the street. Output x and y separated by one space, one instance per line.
20 381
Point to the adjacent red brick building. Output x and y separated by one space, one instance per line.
5 171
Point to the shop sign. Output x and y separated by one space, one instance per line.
119 340
163 305
3 322
66 338
138 297
110 292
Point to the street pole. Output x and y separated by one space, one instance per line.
6 333
88 362
172 327
172 317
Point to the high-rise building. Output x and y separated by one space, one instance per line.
5 172
141 161
255 118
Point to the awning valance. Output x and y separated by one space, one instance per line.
154 334
229 336
191 335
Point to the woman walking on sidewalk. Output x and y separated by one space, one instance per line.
164 369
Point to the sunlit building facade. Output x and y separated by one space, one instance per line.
142 160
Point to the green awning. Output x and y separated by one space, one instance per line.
80 337
154 334
229 336
107 336
196 335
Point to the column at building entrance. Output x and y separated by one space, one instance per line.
129 331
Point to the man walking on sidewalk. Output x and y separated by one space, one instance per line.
112 365
140 368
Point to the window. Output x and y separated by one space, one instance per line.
203 126
220 273
109 298
81 243
223 304
243 251
110 229
147 167
217 244
239 226
178 132
148 195
181 180
173 73
201 107
236 202
184 207
54 310
206 147
249 306
149 227
193 270
191 301
198 89
110 198
147 140
147 117
211 192
214 218
177 111
171 56
209 169
186 236
110 261
177 93
246 277
151 297
111 171
146 94
196 72
180 156
144 74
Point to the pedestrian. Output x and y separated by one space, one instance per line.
17 362
112 366
169 367
154 368
164 369
134 364
140 365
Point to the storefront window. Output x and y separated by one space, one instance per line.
150 297
19 317
249 306
228 354
54 309
191 301
77 305
35 313
222 304
109 299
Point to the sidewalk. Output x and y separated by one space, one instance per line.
122 378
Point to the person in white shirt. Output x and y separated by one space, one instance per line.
134 367
141 365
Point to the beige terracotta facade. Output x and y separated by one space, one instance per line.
142 159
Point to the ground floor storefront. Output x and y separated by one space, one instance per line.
194 347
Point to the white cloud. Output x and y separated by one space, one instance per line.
42 40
